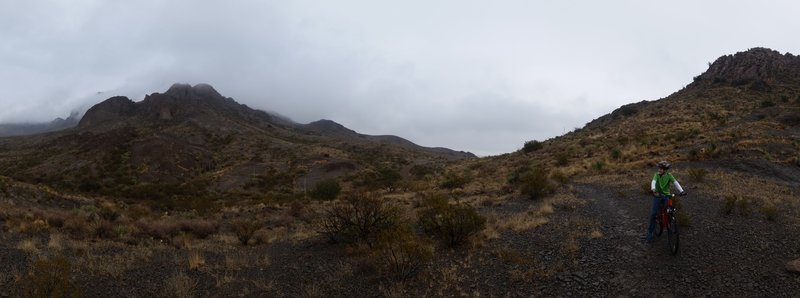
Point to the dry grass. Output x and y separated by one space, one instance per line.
29 246
180 285
596 234
267 236
56 242
196 260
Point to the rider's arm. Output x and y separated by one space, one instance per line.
653 185
678 186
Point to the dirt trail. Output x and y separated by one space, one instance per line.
719 254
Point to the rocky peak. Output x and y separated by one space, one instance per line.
180 90
760 66
109 109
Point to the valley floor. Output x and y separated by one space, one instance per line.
583 241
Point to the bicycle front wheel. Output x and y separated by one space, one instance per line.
673 235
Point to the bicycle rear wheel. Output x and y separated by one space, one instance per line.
673 235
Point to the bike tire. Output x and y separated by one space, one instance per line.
673 235
659 227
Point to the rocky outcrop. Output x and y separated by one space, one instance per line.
759 68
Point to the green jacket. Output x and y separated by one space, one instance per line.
661 183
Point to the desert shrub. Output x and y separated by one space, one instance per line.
767 104
108 213
562 159
160 229
452 223
770 212
359 218
598 166
531 146
326 190
454 180
102 229
403 254
200 228
49 278
697 174
560 176
744 207
420 171
244 229
729 204
533 181
616 153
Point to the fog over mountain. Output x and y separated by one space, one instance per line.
463 75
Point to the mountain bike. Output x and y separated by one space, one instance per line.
668 219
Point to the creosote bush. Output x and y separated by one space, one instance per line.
49 278
533 181
454 180
360 218
402 253
531 146
452 223
326 190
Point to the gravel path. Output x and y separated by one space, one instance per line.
719 255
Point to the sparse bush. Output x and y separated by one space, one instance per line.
767 104
359 218
770 212
729 205
744 207
244 229
697 174
49 278
403 254
453 180
533 181
454 224
616 153
562 159
531 146
598 166
560 176
420 171
326 190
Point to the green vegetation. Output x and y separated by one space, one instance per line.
531 146
454 180
532 181
452 223
326 190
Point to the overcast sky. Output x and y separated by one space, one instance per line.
479 76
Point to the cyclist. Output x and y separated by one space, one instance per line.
660 189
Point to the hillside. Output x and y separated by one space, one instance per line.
192 141
188 193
